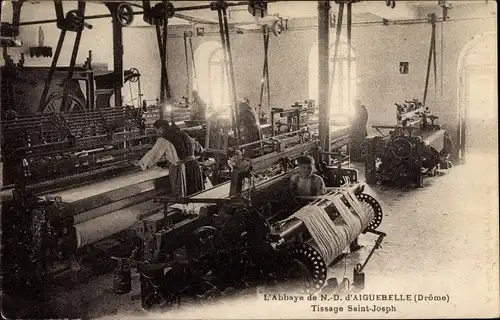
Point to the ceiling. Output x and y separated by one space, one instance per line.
239 15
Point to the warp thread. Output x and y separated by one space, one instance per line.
332 236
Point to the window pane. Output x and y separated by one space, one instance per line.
219 85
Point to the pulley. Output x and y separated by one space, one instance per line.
390 3
75 21
124 14
132 75
161 11
278 27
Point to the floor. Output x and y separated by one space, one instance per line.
442 240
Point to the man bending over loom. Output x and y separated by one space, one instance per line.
306 183
177 147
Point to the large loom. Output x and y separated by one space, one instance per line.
244 232
73 184
415 147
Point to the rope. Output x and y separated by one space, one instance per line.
432 54
265 72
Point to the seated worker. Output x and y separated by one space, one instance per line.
306 182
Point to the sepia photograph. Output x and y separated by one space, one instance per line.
257 159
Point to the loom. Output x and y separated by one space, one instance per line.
248 231
74 183
304 117
412 149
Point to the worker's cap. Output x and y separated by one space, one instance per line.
305 160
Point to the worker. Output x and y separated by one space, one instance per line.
164 148
186 149
305 182
184 171
358 122
198 108
249 125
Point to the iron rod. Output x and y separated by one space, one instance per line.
187 65
51 70
349 55
207 6
323 75
193 62
72 62
165 55
336 47
226 68
231 69
118 58
264 67
428 66
162 66
97 16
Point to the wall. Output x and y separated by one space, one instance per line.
140 48
379 49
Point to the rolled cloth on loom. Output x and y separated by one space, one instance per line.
331 237
94 230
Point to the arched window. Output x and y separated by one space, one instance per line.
339 89
212 78
218 81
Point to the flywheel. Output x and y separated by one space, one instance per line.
401 148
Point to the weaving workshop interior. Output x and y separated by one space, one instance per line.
220 159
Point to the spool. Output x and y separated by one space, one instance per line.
331 236
122 280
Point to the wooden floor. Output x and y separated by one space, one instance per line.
442 241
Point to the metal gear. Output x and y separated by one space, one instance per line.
309 257
372 204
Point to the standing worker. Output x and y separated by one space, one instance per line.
248 122
184 171
358 123
186 150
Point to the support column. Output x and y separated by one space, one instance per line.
118 62
324 74
117 54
